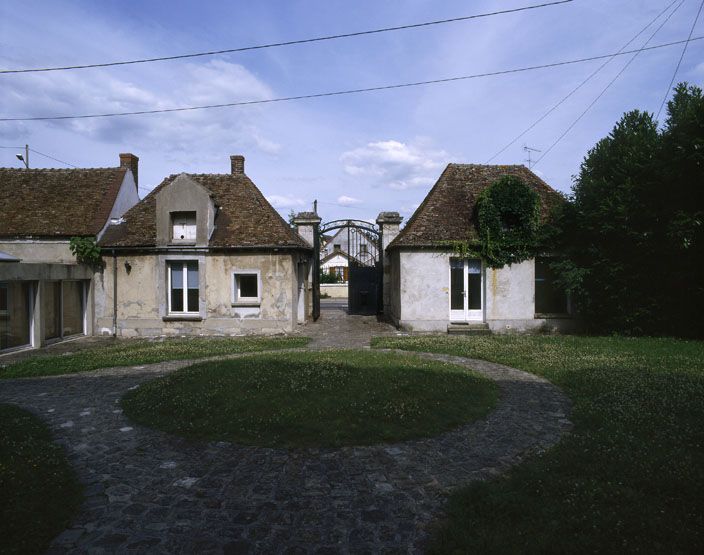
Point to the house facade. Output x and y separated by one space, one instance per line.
45 295
430 288
203 254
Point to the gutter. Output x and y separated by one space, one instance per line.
114 294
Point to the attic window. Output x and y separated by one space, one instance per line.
183 227
336 247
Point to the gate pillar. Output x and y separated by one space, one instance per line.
389 225
308 226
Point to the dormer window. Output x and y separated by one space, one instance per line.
183 227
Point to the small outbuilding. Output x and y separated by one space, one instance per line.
433 288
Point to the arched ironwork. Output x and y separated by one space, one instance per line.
364 271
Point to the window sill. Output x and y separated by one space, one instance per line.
253 304
550 316
182 317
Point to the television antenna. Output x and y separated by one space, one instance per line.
530 152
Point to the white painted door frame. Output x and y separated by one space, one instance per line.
465 291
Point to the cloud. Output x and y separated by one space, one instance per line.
394 164
285 201
344 200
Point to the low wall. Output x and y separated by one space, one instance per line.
334 290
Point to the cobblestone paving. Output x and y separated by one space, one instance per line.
150 492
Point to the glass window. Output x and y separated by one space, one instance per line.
246 287
474 284
183 226
456 284
183 287
15 314
549 299
51 309
72 307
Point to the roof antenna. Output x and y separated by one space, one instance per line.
530 150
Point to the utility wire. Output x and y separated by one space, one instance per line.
684 50
573 91
52 158
349 91
606 88
291 42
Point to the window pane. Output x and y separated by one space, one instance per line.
176 275
548 298
247 284
14 314
456 284
51 309
474 284
73 307
193 300
192 271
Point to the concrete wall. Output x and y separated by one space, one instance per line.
420 302
39 250
334 290
142 296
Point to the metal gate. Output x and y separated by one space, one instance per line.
358 244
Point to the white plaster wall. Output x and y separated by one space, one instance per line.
424 290
126 198
334 290
510 292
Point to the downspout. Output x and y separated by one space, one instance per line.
114 294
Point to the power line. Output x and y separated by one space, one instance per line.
349 91
684 50
573 91
606 88
291 42
13 147
52 158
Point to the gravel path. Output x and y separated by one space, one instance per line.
154 493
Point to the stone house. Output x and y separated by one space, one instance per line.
432 289
203 254
45 295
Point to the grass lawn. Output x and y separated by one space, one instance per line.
39 491
631 476
330 398
130 352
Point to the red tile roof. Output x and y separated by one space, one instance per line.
244 218
57 202
448 211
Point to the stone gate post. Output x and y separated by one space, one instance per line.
389 225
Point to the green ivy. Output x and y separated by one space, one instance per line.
508 214
86 251
508 217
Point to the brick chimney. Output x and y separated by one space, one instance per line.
237 164
131 162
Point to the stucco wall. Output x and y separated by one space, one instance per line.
142 296
421 301
334 290
40 250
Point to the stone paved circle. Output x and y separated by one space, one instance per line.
150 492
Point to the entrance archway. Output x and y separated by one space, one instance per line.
354 250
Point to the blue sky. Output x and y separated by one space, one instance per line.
357 154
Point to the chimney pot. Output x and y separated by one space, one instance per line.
131 162
237 164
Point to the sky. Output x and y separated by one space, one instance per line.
357 154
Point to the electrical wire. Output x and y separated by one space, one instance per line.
291 42
584 82
348 91
606 88
52 158
684 50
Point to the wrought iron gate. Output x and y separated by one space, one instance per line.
358 243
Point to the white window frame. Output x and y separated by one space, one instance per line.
184 269
236 298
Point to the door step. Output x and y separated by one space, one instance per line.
469 328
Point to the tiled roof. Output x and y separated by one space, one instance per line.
244 218
448 211
57 203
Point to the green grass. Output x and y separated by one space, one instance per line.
39 491
330 398
130 352
631 476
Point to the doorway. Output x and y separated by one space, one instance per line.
466 290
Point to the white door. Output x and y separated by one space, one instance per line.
466 290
